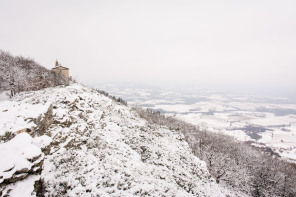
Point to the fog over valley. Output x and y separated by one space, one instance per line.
246 46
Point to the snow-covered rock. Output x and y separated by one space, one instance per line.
19 157
16 153
101 148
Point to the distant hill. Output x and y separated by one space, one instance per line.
25 74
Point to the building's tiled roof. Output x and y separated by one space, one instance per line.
61 68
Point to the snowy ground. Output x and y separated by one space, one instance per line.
96 147
271 121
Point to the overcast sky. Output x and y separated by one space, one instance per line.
246 43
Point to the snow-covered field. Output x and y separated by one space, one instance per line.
263 120
93 146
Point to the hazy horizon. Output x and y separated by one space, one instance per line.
246 47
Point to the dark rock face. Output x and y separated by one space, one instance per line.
16 178
43 123
39 188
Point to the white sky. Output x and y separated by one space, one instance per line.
250 43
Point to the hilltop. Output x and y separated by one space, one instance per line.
78 142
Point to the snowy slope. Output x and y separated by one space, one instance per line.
98 148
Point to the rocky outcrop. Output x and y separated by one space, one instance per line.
22 160
33 164
43 122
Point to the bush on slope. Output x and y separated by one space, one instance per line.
234 164
24 74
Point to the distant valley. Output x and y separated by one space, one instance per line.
261 121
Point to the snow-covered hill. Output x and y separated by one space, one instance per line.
73 141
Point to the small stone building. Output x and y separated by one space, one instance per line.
58 69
